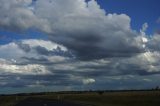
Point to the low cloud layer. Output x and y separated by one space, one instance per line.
86 45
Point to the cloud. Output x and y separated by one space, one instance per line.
16 15
34 69
57 71
10 51
87 46
154 42
94 33
88 81
29 48
22 57
54 69
24 47
142 64
144 28
82 27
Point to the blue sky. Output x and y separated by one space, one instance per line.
140 11
9 36
79 45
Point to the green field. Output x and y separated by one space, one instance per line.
129 98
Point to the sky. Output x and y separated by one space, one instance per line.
64 45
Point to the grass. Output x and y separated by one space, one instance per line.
134 98
10 100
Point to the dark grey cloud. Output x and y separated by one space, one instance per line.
40 80
32 60
90 47
110 83
24 47
98 40
55 52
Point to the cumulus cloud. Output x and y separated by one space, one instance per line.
16 15
94 31
83 27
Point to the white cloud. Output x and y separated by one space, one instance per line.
11 56
144 28
154 43
34 69
16 15
10 51
88 81
43 43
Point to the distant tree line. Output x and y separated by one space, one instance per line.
100 92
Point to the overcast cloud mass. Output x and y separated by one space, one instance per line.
87 48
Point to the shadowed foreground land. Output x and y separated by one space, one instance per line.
44 102
127 98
